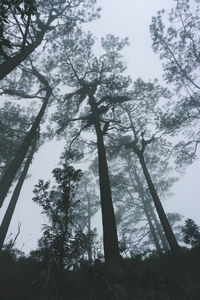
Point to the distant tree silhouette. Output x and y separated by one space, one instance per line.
191 233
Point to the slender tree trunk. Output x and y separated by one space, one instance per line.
15 164
11 207
152 229
11 63
111 249
89 250
164 221
139 187
158 228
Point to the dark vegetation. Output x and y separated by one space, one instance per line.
152 277
140 135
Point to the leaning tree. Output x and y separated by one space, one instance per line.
11 170
132 197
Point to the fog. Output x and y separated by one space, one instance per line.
123 18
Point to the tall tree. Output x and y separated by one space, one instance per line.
99 83
139 123
131 192
12 169
12 204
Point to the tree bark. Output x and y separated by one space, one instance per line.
164 221
110 239
11 207
15 164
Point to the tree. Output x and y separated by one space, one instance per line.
98 82
177 41
11 207
12 169
49 18
178 44
132 197
163 218
61 237
139 123
191 233
36 22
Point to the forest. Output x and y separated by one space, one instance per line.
105 233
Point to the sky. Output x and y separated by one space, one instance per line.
122 18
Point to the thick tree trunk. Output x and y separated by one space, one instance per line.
111 249
15 164
11 63
11 207
164 221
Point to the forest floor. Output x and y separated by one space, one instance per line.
151 278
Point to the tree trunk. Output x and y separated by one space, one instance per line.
15 164
89 250
164 221
152 229
139 186
11 207
11 63
158 228
110 239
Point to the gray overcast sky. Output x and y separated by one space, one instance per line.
122 18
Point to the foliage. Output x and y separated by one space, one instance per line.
178 44
191 232
177 40
62 239
142 277
23 8
83 71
